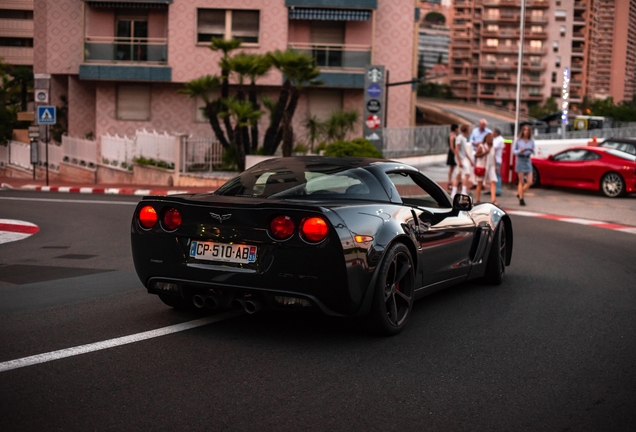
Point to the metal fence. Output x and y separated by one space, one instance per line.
415 141
79 151
157 146
4 155
622 132
201 154
19 154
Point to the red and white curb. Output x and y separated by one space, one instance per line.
102 191
589 222
13 230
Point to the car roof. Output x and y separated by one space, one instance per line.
621 140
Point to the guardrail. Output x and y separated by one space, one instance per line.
421 140
153 50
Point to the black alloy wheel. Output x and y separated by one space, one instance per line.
394 290
612 185
496 265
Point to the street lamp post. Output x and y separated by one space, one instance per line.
522 26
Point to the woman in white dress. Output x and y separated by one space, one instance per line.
485 157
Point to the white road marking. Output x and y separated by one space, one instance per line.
13 230
111 343
69 201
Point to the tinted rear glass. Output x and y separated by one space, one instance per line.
626 147
295 179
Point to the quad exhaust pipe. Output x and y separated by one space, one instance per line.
211 301
250 305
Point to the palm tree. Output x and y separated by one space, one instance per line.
315 129
225 46
244 116
340 123
203 87
299 70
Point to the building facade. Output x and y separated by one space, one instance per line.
119 64
485 40
16 32
612 64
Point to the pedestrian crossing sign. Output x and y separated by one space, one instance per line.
46 115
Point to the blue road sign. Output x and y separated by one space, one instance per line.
46 115
374 90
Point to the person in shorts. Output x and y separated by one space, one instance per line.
485 157
523 149
464 161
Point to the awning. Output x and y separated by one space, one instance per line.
130 4
329 14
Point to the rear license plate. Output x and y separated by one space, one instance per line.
234 253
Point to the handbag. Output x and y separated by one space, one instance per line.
480 171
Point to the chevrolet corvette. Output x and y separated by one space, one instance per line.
342 236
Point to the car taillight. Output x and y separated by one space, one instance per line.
281 227
314 229
147 217
171 219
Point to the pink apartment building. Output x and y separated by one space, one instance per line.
119 64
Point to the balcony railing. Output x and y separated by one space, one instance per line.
336 56
114 49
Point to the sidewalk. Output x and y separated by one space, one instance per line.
106 189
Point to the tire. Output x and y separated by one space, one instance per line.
496 265
536 179
612 185
175 302
394 291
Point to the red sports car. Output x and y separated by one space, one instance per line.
611 171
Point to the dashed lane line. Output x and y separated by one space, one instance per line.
111 343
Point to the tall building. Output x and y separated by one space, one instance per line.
485 36
433 45
16 32
612 63
120 63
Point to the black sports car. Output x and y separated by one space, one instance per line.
344 236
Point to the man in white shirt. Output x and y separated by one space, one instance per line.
498 145
478 134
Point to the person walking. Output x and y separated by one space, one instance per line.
465 161
478 134
523 149
486 168
498 144
450 159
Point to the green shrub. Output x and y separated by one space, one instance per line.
358 147
300 148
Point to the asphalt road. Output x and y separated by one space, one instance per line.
552 348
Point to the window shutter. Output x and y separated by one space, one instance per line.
133 102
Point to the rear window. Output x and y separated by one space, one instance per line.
294 179
625 147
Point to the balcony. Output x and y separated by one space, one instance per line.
337 56
17 55
580 4
354 4
16 28
126 50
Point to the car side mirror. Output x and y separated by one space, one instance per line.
462 202
551 157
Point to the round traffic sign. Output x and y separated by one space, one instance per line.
374 90
373 106
373 121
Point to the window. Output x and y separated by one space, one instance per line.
555 46
414 191
492 28
491 58
133 102
560 15
533 91
322 103
228 24
536 29
536 45
16 14
535 61
576 155
492 42
562 29
557 61
554 77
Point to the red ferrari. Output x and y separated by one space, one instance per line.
611 171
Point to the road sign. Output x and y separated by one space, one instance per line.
34 131
375 74
374 90
373 122
46 115
373 106
41 95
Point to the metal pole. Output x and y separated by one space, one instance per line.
47 155
386 98
519 69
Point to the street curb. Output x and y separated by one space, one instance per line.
628 229
101 190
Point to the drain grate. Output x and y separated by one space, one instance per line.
76 256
